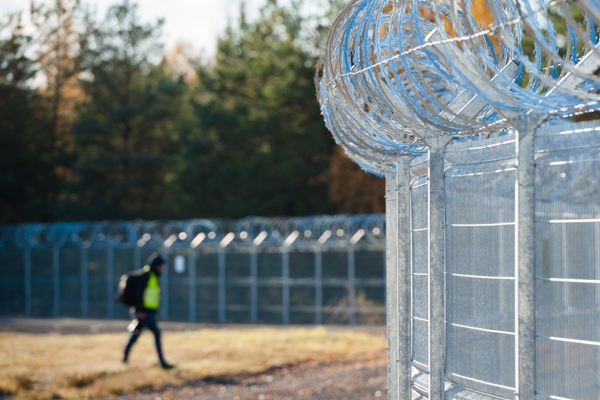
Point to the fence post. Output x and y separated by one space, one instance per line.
28 282
285 286
318 286
56 267
525 249
84 281
165 289
437 268
221 285
391 237
597 258
398 279
192 287
110 274
351 288
404 276
253 285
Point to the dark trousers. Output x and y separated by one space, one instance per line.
150 323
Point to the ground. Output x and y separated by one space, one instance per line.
315 380
312 381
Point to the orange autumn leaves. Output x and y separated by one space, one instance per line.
479 10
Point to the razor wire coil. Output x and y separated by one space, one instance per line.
395 76
336 230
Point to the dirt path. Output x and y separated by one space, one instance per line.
314 381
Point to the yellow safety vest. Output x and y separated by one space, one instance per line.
152 293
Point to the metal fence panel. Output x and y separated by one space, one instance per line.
15 281
419 192
70 281
480 273
568 262
482 354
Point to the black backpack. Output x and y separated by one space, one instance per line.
131 285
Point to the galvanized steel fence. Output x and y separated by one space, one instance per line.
493 218
479 350
314 270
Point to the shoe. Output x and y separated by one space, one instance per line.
167 366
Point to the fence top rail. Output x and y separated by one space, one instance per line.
251 232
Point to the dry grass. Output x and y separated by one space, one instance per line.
45 366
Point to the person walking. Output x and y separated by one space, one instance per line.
147 300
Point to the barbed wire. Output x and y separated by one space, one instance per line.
396 75
249 232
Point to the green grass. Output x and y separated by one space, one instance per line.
44 366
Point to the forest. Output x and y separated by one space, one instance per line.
100 121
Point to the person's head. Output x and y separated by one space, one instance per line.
156 263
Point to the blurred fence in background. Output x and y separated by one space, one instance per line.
314 270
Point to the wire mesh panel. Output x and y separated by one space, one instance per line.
270 293
369 286
100 287
568 261
13 281
336 292
238 274
179 284
481 349
207 287
420 270
43 303
480 269
303 287
124 261
70 282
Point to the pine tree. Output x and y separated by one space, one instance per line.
22 148
124 134
261 147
